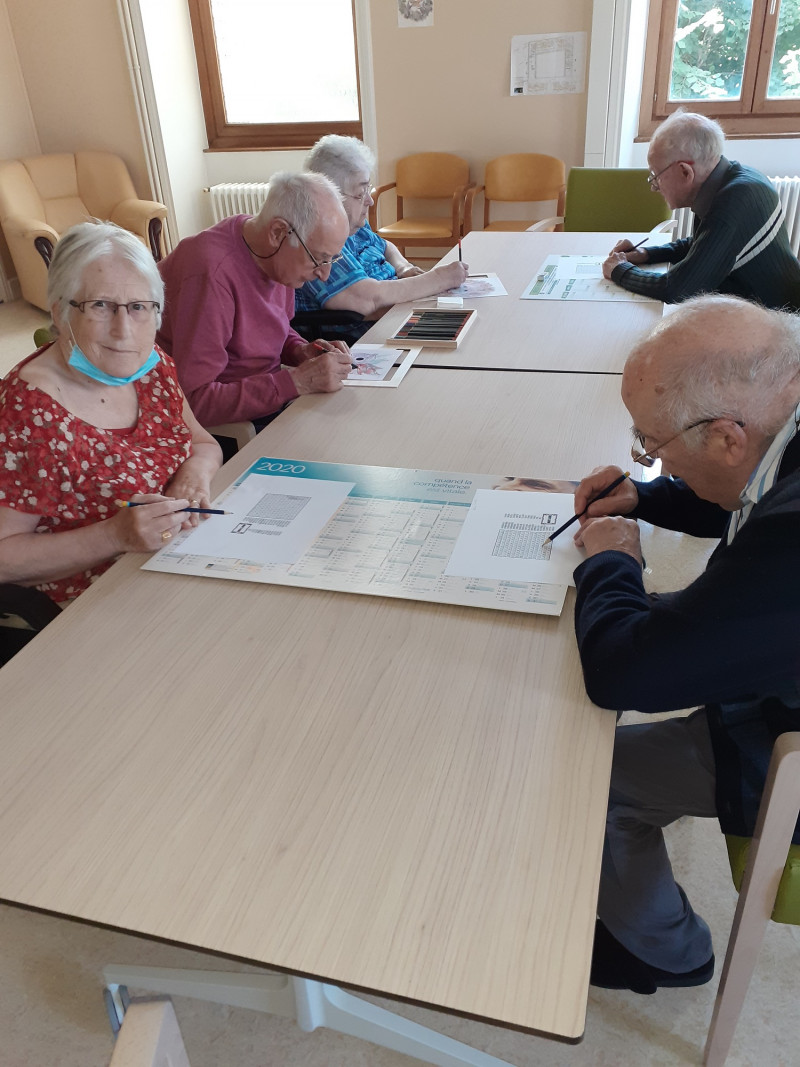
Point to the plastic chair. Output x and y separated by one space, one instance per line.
770 888
613 199
239 432
520 177
41 196
150 1037
425 176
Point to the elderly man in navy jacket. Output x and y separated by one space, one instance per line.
714 393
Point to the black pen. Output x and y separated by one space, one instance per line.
194 511
608 489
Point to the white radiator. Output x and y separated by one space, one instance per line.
237 198
789 194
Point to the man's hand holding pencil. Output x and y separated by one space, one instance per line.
602 527
625 252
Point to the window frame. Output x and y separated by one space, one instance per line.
751 116
224 136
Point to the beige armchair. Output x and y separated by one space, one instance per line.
41 196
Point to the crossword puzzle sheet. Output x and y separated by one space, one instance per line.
392 536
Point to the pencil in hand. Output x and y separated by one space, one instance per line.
194 511
604 492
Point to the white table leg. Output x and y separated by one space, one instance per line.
312 1003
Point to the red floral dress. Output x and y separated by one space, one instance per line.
68 472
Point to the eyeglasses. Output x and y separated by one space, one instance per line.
648 458
362 198
652 179
317 262
105 310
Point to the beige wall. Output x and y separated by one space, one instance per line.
17 130
446 88
77 79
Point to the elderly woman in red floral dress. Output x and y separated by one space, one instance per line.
94 418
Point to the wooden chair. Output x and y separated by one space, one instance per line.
614 199
521 177
150 1037
41 196
770 888
426 176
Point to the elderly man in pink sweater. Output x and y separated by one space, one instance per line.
230 297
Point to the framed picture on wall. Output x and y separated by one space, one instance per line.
414 14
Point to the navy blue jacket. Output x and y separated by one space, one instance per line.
729 641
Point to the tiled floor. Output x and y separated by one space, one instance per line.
52 1015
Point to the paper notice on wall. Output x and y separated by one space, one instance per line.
547 63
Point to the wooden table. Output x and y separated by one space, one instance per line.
533 335
400 797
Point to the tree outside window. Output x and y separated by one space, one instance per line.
737 60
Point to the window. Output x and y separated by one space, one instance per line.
736 60
276 73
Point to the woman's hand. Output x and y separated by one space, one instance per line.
189 484
148 527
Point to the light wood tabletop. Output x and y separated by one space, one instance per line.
533 335
402 797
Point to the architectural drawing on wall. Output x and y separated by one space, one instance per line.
546 63
414 13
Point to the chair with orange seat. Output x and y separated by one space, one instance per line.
521 177
427 176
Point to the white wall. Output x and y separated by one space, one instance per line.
177 110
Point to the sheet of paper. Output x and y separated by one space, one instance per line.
578 278
273 520
503 537
477 285
379 365
548 63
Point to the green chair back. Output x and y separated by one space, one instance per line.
615 199
787 901
43 336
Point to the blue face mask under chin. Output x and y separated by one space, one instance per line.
79 361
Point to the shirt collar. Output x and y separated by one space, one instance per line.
764 476
710 187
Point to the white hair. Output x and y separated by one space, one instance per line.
87 242
695 137
340 158
303 200
747 378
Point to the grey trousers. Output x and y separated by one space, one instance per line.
661 770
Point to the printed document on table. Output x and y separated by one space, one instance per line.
579 278
273 520
392 536
504 538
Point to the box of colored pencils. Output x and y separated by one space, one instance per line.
434 328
